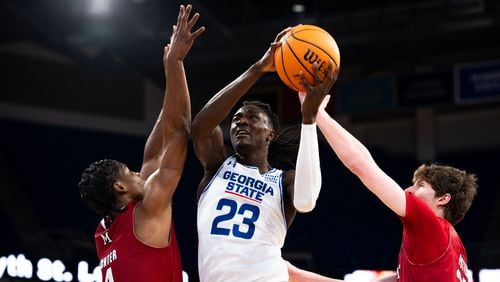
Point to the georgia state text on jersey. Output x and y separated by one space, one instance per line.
241 225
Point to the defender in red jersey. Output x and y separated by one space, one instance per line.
136 240
440 196
431 248
124 257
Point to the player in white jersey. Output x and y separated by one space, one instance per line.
245 203
242 201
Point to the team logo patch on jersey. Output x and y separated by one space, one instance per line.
105 238
272 178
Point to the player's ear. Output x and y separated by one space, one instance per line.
444 199
119 187
270 136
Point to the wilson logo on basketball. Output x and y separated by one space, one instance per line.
312 58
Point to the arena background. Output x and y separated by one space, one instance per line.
83 80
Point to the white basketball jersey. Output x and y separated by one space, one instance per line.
241 225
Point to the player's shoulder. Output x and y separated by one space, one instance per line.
288 176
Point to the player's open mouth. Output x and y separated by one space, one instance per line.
241 132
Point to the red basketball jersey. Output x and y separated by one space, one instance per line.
124 258
431 249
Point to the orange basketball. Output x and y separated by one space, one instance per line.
300 48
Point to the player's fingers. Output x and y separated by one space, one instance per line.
325 101
193 21
198 32
317 79
306 84
281 34
181 14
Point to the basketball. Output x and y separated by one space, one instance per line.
300 48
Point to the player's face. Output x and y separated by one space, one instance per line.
423 190
250 126
133 182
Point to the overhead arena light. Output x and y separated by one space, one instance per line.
298 8
100 7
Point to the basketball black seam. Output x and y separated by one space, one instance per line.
283 63
301 40
298 59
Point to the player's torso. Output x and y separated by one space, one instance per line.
450 267
124 258
241 225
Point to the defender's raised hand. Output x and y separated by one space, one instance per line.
317 92
182 38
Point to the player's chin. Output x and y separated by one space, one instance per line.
240 138
241 144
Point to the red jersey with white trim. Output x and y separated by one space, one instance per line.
123 257
431 249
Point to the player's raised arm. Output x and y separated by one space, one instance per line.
356 157
205 130
307 182
175 117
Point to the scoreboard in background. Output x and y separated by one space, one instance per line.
45 269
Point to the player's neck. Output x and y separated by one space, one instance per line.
439 211
255 160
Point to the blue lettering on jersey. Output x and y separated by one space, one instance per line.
248 187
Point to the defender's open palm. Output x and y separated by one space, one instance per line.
313 98
182 38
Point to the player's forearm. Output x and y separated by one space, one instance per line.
176 102
356 157
175 116
154 143
219 106
350 151
175 113
307 182
153 150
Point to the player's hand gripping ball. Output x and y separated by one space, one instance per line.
300 48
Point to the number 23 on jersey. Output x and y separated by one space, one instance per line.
226 224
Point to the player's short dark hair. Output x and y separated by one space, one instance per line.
267 110
96 186
462 187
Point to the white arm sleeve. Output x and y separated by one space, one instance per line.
307 183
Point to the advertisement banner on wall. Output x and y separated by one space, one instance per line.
425 89
477 82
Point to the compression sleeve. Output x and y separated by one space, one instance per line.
307 183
